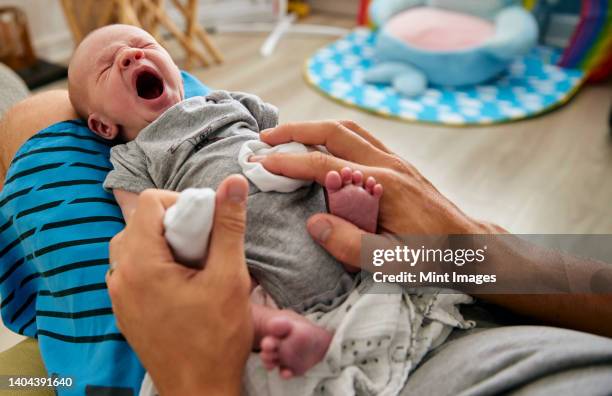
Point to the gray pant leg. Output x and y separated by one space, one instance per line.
526 359
593 381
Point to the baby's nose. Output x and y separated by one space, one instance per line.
130 56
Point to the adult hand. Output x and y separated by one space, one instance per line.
412 205
191 328
409 205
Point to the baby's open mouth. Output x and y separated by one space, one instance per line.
149 86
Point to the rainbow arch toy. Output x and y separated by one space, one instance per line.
590 47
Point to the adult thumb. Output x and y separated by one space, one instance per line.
226 248
341 238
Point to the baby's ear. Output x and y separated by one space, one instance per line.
102 127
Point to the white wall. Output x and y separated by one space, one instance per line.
48 29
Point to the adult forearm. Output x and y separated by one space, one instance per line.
28 117
567 291
585 312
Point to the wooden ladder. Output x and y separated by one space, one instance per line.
149 15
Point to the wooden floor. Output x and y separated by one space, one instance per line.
550 174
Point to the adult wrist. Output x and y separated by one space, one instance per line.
468 225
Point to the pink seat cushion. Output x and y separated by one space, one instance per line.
435 29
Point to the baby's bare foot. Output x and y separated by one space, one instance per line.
352 199
293 344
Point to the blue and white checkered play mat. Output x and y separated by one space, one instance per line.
532 85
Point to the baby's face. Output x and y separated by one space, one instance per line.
121 79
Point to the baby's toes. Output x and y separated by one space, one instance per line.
369 184
278 328
286 373
347 175
269 360
333 181
357 178
377 190
269 352
269 344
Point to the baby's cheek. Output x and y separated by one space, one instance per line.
120 100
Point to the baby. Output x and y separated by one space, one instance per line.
128 88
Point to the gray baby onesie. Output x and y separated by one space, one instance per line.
195 144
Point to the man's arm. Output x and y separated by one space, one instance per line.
411 205
28 117
584 312
576 304
215 299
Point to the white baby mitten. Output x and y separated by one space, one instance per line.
188 224
258 175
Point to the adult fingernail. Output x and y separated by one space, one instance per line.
237 191
256 158
320 230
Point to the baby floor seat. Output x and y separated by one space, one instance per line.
445 46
